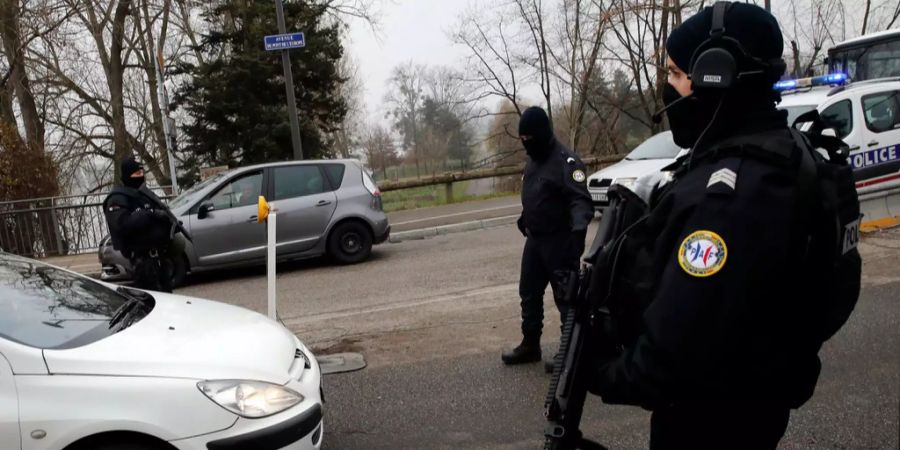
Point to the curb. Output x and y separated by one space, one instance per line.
424 233
880 224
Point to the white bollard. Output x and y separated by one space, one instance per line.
270 263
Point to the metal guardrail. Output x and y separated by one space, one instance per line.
54 226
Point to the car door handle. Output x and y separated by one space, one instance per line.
323 202
873 143
253 219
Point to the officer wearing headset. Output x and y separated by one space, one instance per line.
724 345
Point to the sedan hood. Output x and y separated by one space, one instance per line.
185 337
632 168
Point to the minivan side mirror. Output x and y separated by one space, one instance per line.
205 209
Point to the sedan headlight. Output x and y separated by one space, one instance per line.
627 183
251 399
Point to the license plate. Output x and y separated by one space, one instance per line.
598 197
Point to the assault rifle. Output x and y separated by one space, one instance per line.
585 334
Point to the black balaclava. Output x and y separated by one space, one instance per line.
748 107
536 124
128 167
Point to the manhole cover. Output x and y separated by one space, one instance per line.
341 362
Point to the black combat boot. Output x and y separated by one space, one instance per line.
528 351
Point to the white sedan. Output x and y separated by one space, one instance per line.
86 365
650 156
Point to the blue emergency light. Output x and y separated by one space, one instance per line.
822 80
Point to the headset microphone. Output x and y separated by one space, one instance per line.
657 116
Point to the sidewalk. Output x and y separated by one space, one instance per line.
87 263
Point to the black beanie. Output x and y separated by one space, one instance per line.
128 167
755 28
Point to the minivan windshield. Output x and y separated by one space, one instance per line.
44 307
188 195
660 146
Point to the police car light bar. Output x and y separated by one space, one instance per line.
823 80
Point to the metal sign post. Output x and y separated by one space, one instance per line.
283 46
167 122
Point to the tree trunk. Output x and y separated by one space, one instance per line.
115 80
866 16
18 78
661 57
150 55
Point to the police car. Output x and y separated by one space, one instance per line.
865 114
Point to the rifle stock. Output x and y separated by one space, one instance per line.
564 404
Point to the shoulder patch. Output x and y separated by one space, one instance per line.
702 254
578 176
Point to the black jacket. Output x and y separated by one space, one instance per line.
717 269
554 194
138 221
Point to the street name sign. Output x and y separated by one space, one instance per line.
285 41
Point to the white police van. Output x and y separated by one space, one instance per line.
865 114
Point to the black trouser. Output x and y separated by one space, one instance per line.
152 271
542 256
718 426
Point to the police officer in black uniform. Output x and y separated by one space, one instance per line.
141 228
556 211
721 267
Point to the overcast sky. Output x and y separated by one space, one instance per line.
417 30
409 30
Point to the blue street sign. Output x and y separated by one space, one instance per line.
285 41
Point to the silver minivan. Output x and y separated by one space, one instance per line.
325 207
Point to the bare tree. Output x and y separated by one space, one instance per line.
810 32
405 99
347 137
379 150
866 16
17 87
492 64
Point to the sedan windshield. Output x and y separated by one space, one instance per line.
44 307
659 146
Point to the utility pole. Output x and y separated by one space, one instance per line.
289 86
769 5
168 123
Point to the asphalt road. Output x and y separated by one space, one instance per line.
432 316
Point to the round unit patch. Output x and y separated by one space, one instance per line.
578 176
702 254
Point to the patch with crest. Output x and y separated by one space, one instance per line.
578 176
702 254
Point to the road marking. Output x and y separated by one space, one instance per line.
464 213
455 296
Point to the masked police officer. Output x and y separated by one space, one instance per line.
140 227
723 267
556 211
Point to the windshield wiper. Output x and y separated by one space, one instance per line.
123 311
135 299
